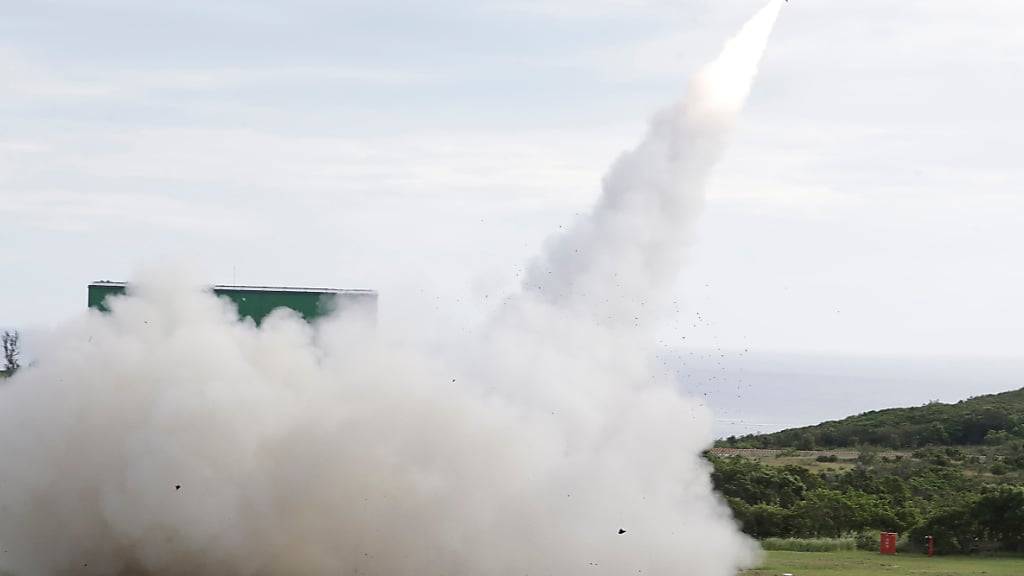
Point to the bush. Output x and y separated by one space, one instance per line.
955 530
809 544
868 540
828 458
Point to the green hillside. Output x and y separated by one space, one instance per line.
989 419
951 471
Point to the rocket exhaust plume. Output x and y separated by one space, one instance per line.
615 264
169 438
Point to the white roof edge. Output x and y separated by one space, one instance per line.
295 289
264 288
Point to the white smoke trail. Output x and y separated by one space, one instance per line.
169 438
616 263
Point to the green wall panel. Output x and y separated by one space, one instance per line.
258 302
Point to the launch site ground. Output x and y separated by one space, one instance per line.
873 564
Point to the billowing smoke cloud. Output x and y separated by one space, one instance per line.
169 438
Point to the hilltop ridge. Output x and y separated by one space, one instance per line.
991 419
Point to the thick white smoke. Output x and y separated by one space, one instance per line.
169 438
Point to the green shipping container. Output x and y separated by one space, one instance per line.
257 302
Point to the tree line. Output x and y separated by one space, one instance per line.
916 497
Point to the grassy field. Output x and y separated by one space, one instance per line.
808 463
873 564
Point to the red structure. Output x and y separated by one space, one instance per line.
888 543
931 545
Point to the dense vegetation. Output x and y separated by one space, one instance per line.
951 471
937 494
990 419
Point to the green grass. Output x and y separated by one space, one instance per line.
874 564
807 462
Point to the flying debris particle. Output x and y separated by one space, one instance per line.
622 530
177 486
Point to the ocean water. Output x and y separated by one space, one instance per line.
755 392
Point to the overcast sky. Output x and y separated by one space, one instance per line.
872 202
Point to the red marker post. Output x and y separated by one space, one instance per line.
931 545
887 543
